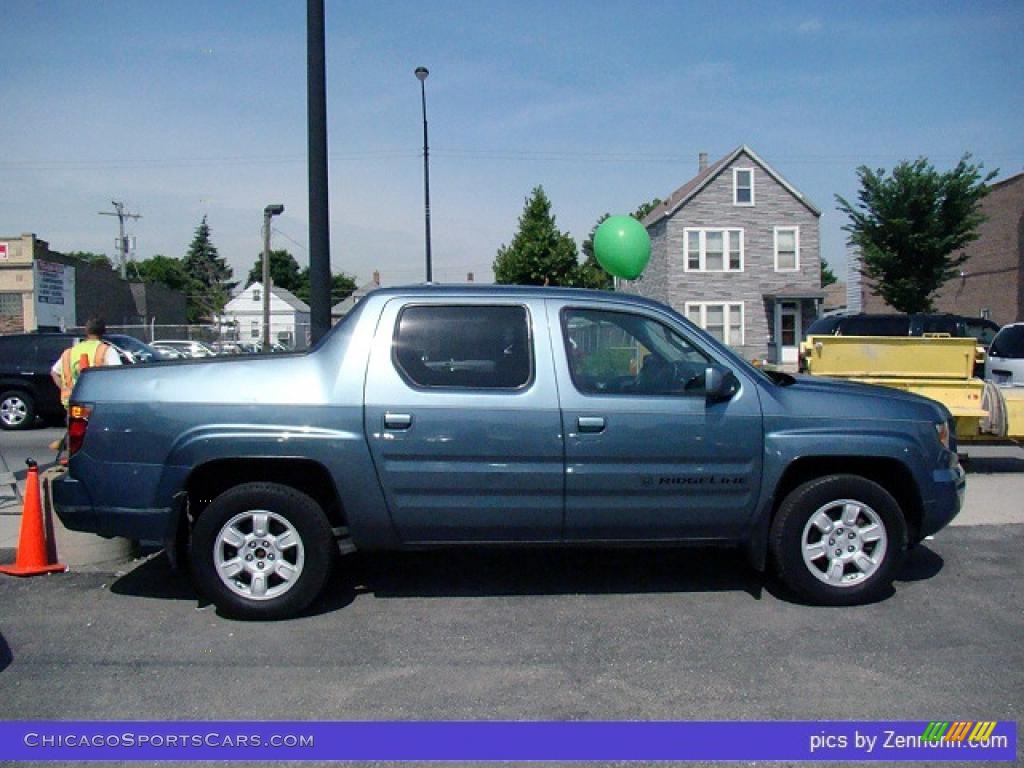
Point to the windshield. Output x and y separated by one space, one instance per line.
1009 342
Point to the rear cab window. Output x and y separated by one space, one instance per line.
440 346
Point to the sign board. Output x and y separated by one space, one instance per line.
54 294
5 252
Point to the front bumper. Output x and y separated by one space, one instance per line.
950 485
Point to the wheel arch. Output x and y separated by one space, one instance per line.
208 480
890 473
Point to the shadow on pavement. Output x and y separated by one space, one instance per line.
993 465
920 564
523 571
6 657
155 578
548 571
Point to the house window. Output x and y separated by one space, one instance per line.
255 329
723 321
742 186
787 249
714 250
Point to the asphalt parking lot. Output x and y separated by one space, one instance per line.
538 634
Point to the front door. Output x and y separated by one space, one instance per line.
647 457
462 419
789 332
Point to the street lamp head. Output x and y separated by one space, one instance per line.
421 73
273 210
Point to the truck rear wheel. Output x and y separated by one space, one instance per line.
262 551
838 540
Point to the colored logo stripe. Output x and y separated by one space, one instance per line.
940 730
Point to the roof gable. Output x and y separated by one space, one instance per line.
690 189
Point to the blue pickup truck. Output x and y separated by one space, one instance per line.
455 416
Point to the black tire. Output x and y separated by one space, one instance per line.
309 551
17 410
847 565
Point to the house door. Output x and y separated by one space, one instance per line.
789 332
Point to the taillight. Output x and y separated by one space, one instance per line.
78 422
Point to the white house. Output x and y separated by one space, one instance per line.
289 316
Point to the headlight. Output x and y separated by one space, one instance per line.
942 430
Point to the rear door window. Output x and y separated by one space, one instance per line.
879 325
464 347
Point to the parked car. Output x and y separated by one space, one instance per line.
439 416
27 393
1005 363
140 351
982 329
189 347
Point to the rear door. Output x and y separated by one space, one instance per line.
647 457
462 420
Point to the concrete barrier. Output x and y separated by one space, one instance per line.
76 549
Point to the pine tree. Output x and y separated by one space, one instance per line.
209 275
539 254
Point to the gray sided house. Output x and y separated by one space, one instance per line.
737 250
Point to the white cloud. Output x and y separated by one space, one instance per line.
809 27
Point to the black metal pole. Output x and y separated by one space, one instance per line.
426 179
319 221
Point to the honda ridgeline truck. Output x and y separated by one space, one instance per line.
441 416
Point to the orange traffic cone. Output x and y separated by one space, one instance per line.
32 559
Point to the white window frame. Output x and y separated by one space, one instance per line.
729 306
702 256
796 245
736 187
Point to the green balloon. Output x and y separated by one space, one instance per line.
622 246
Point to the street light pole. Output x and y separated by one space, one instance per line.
268 212
421 75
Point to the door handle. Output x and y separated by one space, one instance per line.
397 420
590 423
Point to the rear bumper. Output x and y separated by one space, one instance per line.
74 507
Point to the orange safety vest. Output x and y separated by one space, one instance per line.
74 360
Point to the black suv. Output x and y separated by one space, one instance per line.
26 389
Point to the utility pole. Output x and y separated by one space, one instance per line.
319 220
122 243
268 212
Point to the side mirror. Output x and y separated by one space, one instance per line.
720 384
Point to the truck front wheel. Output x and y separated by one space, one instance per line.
838 540
261 551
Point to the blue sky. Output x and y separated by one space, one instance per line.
192 108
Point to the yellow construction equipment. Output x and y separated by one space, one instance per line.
941 368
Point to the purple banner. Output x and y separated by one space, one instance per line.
843 741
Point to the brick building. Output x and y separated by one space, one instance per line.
42 289
991 281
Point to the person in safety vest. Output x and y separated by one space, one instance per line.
89 352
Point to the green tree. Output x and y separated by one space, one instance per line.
342 286
284 271
209 275
592 274
163 270
827 275
99 259
909 225
539 254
